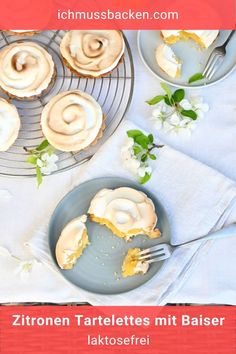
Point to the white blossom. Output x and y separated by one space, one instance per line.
132 162
186 104
199 106
47 163
179 125
172 121
159 115
24 269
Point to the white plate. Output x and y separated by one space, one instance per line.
194 59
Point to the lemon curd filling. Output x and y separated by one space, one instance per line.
126 235
185 36
203 38
131 265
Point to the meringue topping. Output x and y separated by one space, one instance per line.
126 211
203 37
71 243
92 53
168 61
26 69
72 120
9 124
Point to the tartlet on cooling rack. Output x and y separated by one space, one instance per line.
23 32
9 124
27 70
92 53
72 121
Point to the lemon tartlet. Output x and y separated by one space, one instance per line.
131 265
27 70
167 61
71 243
72 121
92 53
203 38
9 124
125 211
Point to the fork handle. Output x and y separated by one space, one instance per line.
228 231
228 39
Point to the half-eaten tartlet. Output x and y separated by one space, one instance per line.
126 211
167 61
27 70
131 265
92 53
71 243
72 121
202 37
9 124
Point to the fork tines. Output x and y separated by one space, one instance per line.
154 254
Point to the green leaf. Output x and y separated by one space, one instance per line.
133 133
142 140
145 178
189 113
137 150
178 95
195 77
152 156
167 101
32 159
50 151
155 100
144 157
43 145
167 90
39 175
151 138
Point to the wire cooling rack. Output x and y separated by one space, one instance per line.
114 93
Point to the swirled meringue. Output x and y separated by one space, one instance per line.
9 124
92 53
72 242
26 69
72 121
126 211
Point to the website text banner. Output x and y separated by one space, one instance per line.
117 14
139 330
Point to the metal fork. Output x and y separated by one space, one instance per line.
216 58
163 251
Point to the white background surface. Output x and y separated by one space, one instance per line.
213 143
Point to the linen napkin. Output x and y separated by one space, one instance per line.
197 199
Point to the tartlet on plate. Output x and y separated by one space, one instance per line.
167 60
71 243
131 265
92 53
9 124
72 121
27 70
126 211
